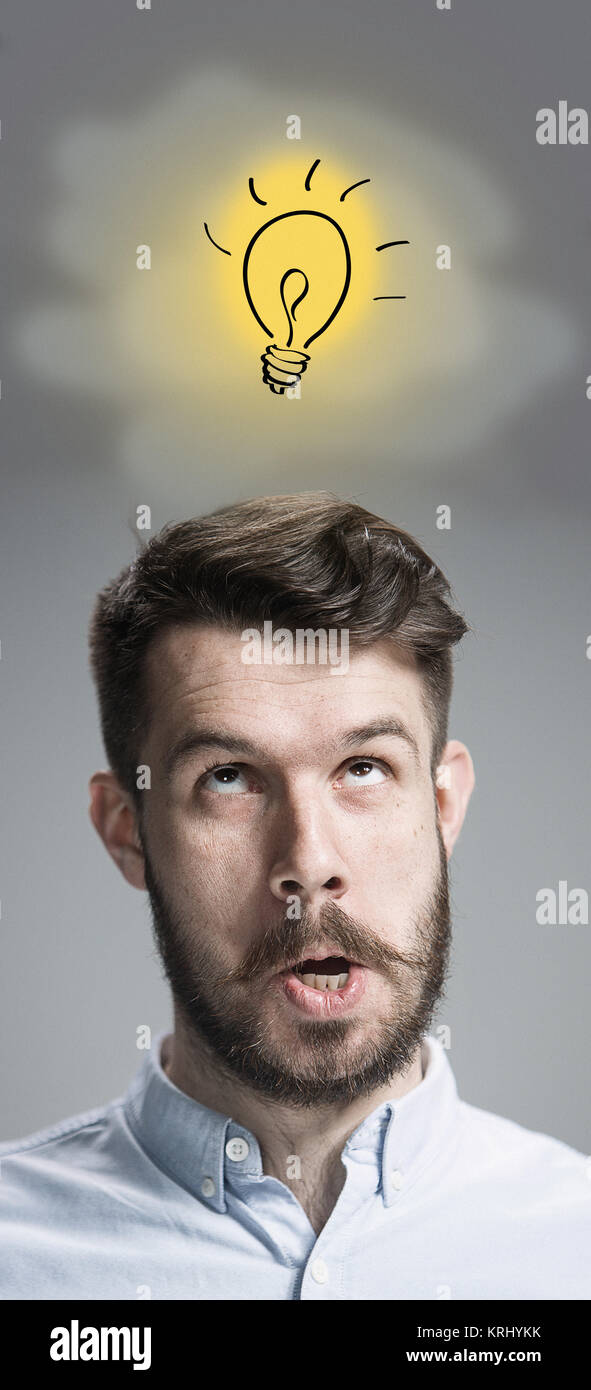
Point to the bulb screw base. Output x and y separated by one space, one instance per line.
283 367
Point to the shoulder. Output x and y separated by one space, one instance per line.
63 1132
502 1151
64 1192
491 1130
490 1146
48 1157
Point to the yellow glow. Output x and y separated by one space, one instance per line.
185 326
187 323
311 244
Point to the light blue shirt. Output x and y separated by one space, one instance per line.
152 1196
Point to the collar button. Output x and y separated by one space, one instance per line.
237 1149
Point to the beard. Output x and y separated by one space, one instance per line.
326 1063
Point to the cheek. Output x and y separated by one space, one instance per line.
396 865
202 865
401 836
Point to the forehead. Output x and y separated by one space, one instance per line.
196 674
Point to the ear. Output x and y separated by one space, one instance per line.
114 818
455 781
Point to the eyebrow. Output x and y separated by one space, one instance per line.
383 728
194 740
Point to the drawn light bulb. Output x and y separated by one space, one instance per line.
296 274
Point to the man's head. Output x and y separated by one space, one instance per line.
293 816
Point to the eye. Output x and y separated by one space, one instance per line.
364 773
229 779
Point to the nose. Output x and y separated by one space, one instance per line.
308 863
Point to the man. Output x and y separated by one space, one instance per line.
274 684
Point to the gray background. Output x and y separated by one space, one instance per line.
79 972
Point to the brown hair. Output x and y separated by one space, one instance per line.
303 560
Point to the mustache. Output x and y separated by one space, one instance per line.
286 941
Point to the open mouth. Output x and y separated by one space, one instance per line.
331 973
323 986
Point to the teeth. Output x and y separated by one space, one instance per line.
325 981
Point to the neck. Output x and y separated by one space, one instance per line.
300 1147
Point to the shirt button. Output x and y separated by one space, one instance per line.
237 1149
208 1187
396 1179
319 1272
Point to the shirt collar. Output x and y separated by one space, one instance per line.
190 1142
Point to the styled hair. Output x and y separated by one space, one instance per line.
304 560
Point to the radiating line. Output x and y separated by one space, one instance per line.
389 296
309 174
353 185
215 243
257 200
392 243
